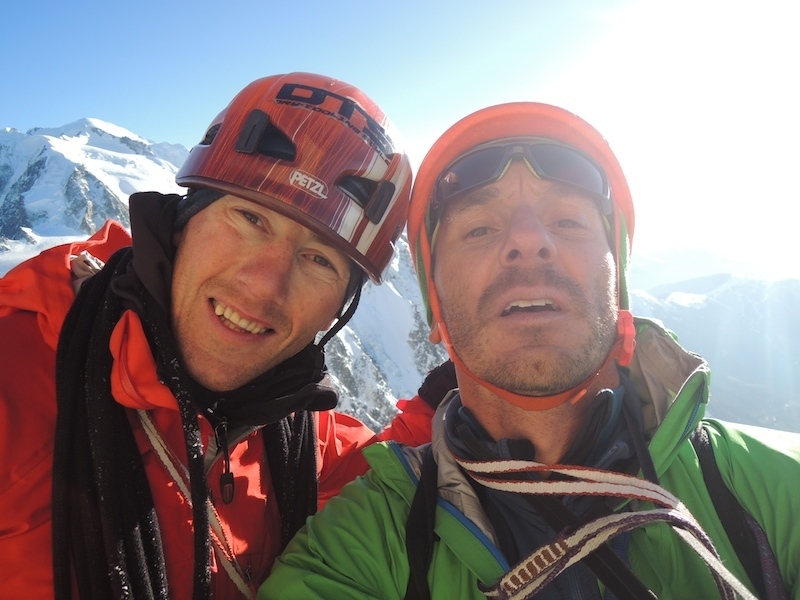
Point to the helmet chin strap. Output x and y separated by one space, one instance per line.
343 318
621 351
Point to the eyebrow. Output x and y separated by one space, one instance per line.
479 197
565 191
315 237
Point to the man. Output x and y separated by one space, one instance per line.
563 466
156 430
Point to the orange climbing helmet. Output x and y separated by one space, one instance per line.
512 121
559 146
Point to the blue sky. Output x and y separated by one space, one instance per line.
164 69
697 97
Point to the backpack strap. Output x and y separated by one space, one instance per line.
420 536
756 558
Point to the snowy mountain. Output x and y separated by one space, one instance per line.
70 179
748 330
59 184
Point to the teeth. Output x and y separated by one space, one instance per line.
234 321
528 303
523 304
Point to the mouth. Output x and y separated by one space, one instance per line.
233 321
531 306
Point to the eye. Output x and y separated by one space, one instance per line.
568 224
478 232
322 261
252 217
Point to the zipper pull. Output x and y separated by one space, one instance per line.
226 478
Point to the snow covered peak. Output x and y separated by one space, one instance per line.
96 129
70 179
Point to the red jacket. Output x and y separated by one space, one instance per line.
34 299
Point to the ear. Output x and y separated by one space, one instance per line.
435 335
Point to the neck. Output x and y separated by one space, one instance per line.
551 431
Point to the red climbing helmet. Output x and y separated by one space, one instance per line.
316 150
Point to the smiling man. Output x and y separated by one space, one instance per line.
250 288
165 422
562 467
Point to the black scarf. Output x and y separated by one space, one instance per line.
104 522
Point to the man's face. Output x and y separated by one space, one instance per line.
250 288
527 283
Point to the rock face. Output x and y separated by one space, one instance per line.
383 354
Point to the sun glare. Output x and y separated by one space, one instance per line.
699 101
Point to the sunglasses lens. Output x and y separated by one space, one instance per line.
567 166
551 161
470 171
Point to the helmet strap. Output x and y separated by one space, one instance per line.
342 320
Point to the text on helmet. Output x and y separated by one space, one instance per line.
309 184
346 110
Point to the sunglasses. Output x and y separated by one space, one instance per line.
550 161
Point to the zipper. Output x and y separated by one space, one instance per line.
226 481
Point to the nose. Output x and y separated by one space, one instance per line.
528 240
267 270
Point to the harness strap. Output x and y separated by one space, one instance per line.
545 564
603 561
420 535
420 538
741 528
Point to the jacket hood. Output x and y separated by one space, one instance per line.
44 285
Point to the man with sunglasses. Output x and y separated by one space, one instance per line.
567 462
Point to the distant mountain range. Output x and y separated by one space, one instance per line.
749 332
61 183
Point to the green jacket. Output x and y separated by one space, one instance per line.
355 548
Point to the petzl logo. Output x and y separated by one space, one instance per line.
309 184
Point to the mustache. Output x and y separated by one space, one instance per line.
528 277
